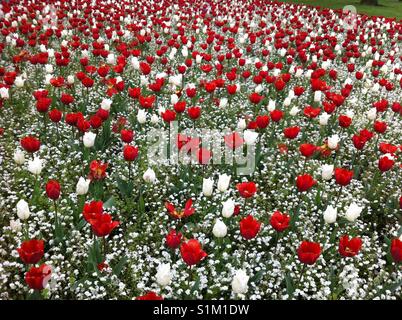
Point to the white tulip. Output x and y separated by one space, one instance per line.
89 139
4 93
35 166
23 210
241 124
82 186
330 214
250 137
327 170
317 96
154 119
239 282
70 79
372 114
223 182
228 208
220 229
19 157
223 102
271 105
141 116
105 104
149 176
333 141
207 187
323 119
353 212
294 111
19 82
111 59
164 275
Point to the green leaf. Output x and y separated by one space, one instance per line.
125 187
289 285
119 266
109 203
257 277
141 204
196 285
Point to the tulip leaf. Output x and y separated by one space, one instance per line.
289 285
109 203
120 265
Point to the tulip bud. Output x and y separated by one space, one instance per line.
323 119
219 230
23 212
106 103
241 124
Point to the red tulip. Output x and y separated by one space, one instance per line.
276 115
168 116
249 227
396 250
194 112
385 163
130 153
343 176
191 252
291 132
102 224
246 189
262 121
150 296
173 239
53 189
30 144
307 149
305 182
380 126
349 247
308 252
55 115
31 251
126 135
38 277
344 121
280 221
91 209
97 170
188 210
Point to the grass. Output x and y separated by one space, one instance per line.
386 8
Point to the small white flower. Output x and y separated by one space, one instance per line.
23 211
82 186
220 229
330 214
239 282
228 208
89 139
164 275
223 182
